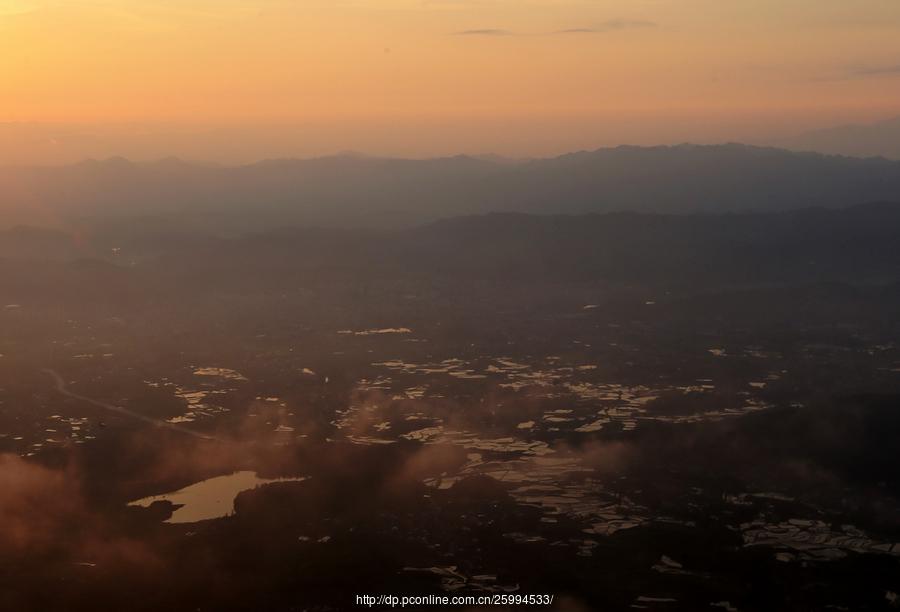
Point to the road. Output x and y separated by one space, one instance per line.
63 390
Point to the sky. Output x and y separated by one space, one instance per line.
231 80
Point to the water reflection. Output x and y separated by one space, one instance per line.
209 499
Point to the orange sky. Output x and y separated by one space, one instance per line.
432 76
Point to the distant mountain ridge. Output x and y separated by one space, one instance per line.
857 245
350 190
880 139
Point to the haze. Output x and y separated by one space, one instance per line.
238 80
541 304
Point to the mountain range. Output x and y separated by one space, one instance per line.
880 139
353 190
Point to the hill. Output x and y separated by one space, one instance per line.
359 191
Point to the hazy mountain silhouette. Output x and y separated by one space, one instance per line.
881 139
854 245
365 191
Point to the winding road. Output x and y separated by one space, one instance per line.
63 390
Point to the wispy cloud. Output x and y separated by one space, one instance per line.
606 26
610 26
484 32
875 70
847 73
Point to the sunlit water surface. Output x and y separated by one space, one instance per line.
209 499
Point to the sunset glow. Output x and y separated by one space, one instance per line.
514 77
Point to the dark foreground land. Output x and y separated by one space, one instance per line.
626 411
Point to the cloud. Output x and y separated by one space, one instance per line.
846 73
34 501
43 512
484 32
606 26
875 70
610 26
